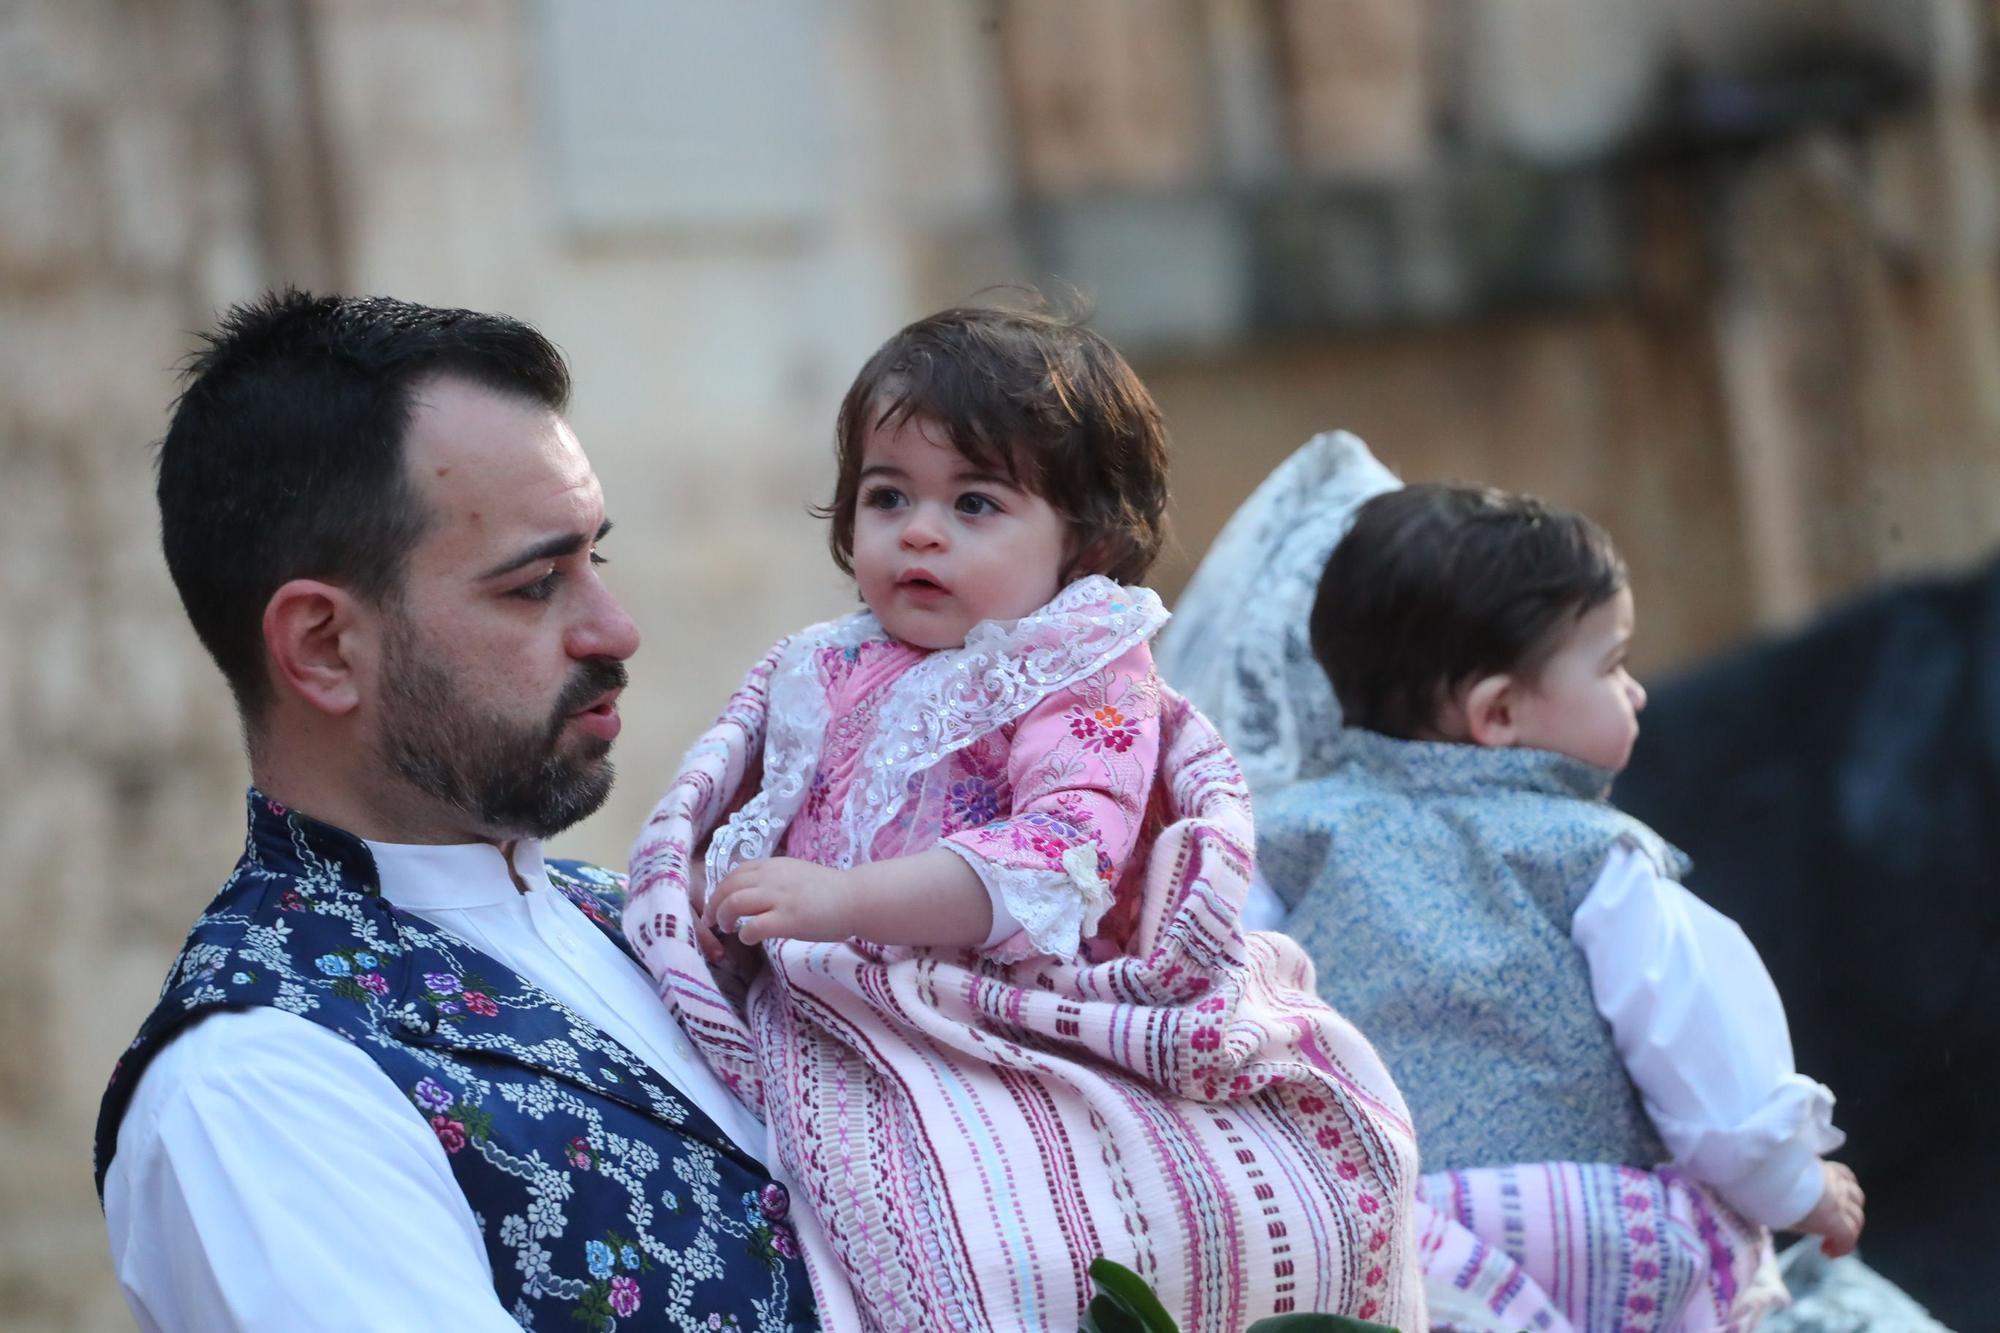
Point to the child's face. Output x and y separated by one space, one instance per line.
1585 704
940 546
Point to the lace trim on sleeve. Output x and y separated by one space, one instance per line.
1056 910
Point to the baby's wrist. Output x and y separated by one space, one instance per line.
855 893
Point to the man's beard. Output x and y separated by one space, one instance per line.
510 778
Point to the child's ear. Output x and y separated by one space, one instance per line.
1490 711
1083 558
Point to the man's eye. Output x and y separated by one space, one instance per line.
541 589
882 497
972 502
597 559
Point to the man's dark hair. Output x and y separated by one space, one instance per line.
284 458
1033 396
1437 586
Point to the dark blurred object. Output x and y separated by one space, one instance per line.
1839 791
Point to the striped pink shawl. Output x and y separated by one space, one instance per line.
972 1133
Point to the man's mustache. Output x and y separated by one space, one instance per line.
592 680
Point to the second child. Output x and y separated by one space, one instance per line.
1543 987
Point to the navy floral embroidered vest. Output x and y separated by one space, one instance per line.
605 1198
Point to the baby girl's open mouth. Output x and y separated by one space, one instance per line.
920 583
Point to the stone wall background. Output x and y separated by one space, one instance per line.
1617 252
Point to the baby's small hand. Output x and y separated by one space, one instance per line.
780 897
711 946
1838 1216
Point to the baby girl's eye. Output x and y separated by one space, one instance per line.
972 502
881 497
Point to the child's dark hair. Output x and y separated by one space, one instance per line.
1033 396
1437 586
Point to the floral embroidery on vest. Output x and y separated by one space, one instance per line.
602 1195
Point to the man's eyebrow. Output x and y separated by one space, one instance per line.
549 548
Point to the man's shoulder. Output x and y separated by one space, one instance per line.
221 1047
243 1058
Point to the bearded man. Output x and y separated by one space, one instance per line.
403 1072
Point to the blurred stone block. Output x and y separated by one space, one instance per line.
1482 238
1359 85
1161 271
1110 93
688 115
1249 119
1559 81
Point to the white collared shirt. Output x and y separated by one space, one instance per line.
269 1175
1703 1034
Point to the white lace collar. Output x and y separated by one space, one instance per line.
942 704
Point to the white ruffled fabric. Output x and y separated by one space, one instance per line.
943 704
1239 647
1054 911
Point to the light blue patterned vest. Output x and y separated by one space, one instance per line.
605 1199
1433 884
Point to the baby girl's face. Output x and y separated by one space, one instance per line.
940 546
1585 704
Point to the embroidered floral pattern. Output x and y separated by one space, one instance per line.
770 1239
611 1263
1103 728
455 1121
353 973
944 703
973 801
456 996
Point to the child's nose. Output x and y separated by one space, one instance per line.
1638 696
923 529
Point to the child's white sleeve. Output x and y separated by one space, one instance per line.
1263 909
1702 1032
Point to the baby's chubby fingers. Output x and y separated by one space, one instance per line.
723 908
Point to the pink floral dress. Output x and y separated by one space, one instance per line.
1047 808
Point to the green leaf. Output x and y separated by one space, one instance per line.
1105 1315
1123 1303
1316 1323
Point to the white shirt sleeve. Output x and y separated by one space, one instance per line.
269 1175
1702 1032
1263 909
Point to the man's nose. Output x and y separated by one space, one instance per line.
604 630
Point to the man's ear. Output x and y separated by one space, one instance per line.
1490 708
314 638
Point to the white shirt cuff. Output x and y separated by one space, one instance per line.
1781 1190
1004 923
